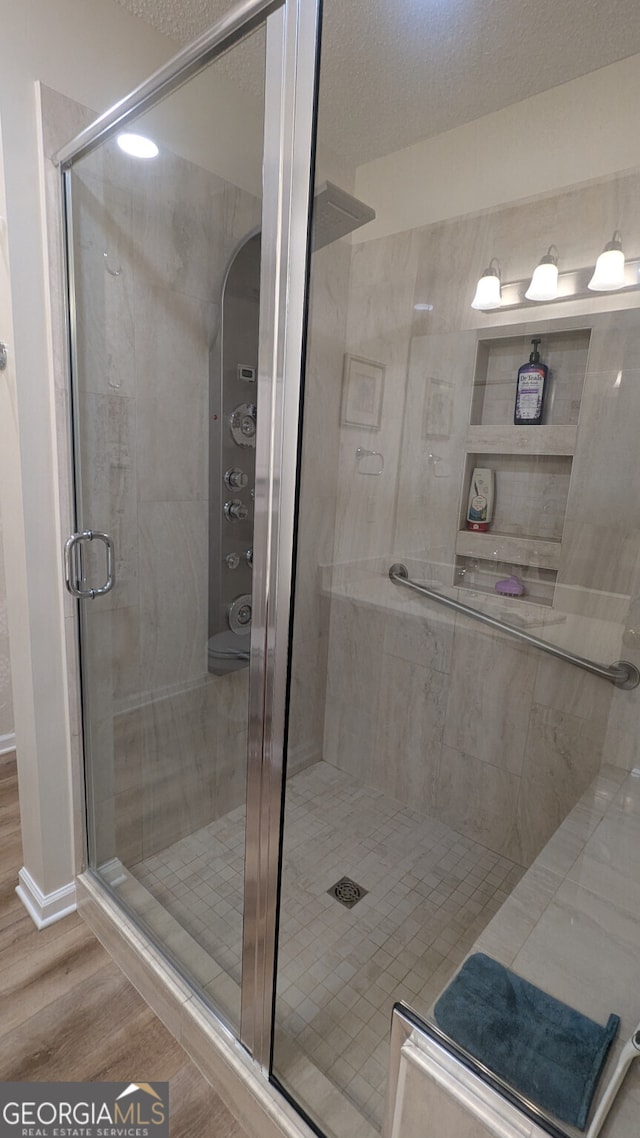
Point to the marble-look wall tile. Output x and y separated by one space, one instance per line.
478 799
505 934
173 592
194 758
434 430
598 556
112 656
179 762
104 267
379 314
356 638
569 954
318 493
173 337
109 494
348 741
563 687
446 276
508 707
622 743
531 495
490 693
148 314
180 240
564 753
608 868
423 641
408 738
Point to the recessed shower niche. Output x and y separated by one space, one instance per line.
497 361
532 464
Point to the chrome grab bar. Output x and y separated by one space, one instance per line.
623 674
73 572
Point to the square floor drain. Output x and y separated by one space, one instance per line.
347 892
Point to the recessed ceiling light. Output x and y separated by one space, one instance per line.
423 307
137 145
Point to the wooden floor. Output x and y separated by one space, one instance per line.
68 1013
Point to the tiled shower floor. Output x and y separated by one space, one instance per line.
430 892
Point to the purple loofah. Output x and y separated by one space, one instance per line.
510 587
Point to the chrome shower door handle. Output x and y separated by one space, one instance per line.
73 569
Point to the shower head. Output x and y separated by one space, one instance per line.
335 214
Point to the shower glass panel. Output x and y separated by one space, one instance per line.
451 789
165 418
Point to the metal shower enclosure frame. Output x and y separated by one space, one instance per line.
292 46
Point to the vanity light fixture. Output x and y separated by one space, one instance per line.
544 282
548 285
608 274
137 146
488 292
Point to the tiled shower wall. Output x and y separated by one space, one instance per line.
319 480
148 314
494 738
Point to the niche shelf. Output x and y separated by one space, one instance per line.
531 551
480 576
522 440
532 464
497 361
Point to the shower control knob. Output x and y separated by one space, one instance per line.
236 511
242 422
244 615
249 558
239 615
236 479
232 560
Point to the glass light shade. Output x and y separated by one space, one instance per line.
488 293
608 274
137 145
544 282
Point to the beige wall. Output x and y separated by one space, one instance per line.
6 698
95 52
510 155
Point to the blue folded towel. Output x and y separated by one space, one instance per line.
550 1053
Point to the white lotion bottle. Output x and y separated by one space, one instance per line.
481 496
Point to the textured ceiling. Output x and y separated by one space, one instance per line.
397 71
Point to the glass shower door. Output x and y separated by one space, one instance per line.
165 416
453 790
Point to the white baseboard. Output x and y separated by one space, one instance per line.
45 908
7 744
